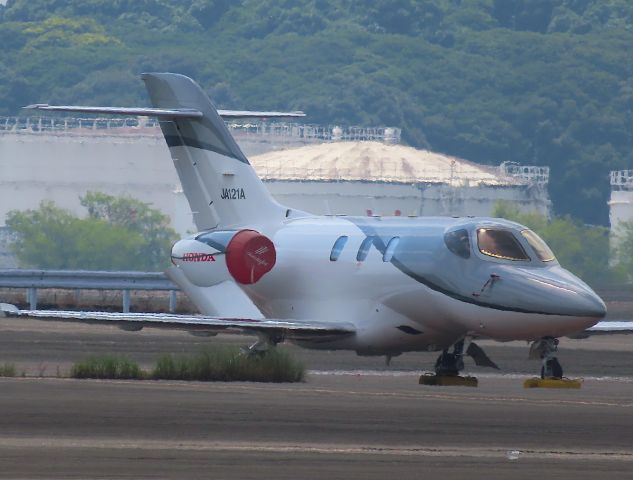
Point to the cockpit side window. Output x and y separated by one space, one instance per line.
458 242
500 244
539 246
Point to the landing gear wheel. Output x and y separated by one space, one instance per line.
447 368
552 369
448 364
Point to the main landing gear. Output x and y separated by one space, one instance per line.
449 364
546 349
265 342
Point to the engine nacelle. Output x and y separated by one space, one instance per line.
214 257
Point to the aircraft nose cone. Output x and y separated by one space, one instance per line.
595 306
557 291
589 309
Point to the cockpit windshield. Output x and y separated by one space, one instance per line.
539 246
500 244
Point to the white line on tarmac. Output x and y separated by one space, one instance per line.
309 448
406 373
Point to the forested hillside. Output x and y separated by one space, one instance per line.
547 82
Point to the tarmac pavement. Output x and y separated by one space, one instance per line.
353 417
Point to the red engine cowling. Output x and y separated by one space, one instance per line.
249 256
214 257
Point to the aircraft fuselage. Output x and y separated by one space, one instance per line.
398 282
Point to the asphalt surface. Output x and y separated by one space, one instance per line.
353 417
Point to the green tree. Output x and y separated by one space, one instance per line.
138 218
118 234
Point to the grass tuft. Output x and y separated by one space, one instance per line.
7 370
107 366
226 364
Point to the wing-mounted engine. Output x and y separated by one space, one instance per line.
214 257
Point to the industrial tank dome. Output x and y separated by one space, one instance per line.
375 162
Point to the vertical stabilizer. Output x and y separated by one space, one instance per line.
221 186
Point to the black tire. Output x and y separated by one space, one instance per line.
557 369
554 369
446 365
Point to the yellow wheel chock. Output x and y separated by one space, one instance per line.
551 382
447 380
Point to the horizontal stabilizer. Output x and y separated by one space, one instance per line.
137 112
160 112
249 114
192 323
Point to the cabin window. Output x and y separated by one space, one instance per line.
539 246
500 244
337 248
458 242
391 248
364 249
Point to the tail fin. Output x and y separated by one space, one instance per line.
221 186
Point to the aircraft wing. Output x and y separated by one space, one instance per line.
193 323
160 112
605 328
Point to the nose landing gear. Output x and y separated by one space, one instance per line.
264 343
546 350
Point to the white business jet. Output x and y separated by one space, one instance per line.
378 286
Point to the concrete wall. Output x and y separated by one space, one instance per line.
61 168
481 200
355 198
349 198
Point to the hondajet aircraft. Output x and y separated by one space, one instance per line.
375 285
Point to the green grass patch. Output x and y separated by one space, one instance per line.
107 366
226 364
7 370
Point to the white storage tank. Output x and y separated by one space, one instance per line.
60 159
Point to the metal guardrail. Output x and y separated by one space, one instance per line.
33 280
